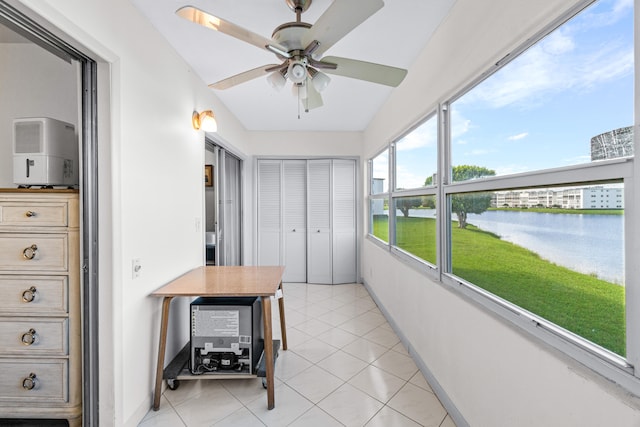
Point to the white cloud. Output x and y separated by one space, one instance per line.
424 136
381 167
460 125
558 62
518 136
477 152
407 179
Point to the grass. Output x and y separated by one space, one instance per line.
581 303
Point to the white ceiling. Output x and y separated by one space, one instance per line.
394 36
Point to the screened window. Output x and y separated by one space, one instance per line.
379 199
566 100
380 173
415 225
548 251
555 251
379 218
416 156
529 211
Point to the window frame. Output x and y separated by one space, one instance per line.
621 370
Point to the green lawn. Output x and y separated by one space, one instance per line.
583 304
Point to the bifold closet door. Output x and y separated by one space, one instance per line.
319 247
344 221
294 206
269 212
307 219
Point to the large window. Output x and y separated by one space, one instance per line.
528 210
548 251
566 100
379 199
416 156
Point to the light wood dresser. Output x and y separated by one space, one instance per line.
40 318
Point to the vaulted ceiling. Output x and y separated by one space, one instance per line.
394 35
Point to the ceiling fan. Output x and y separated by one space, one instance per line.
300 46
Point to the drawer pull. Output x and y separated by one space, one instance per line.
29 295
30 252
29 338
29 383
30 214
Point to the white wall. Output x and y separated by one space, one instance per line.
306 143
34 83
155 163
153 160
493 373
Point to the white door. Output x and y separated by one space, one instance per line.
294 207
344 221
269 212
319 258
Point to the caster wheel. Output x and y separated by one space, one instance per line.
173 384
264 383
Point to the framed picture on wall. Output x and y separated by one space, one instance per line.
208 175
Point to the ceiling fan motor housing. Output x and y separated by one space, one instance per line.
298 6
297 71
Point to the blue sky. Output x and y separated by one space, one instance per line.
541 110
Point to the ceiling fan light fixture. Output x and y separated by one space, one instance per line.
205 120
319 79
297 72
277 79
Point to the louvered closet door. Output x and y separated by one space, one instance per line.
319 259
269 211
344 221
295 220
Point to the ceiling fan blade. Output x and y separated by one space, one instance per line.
338 20
243 77
376 73
212 22
314 99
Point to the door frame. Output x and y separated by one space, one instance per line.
88 115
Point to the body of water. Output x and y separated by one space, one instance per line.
589 244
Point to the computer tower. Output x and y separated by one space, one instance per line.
225 335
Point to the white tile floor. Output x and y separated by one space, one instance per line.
344 367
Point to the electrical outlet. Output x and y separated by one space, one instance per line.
136 266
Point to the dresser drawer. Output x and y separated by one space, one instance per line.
34 335
39 295
36 214
33 252
50 384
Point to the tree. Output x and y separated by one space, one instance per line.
464 204
406 203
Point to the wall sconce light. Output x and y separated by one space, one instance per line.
205 121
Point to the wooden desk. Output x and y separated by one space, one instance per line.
225 281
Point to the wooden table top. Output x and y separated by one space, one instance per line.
232 281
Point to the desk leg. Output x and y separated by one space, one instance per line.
166 302
283 327
268 349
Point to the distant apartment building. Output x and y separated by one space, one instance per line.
377 205
612 144
595 197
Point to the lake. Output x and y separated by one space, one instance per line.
589 244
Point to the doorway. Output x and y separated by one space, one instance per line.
223 207
24 34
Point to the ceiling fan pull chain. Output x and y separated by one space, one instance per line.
298 101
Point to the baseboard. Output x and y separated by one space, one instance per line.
442 395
